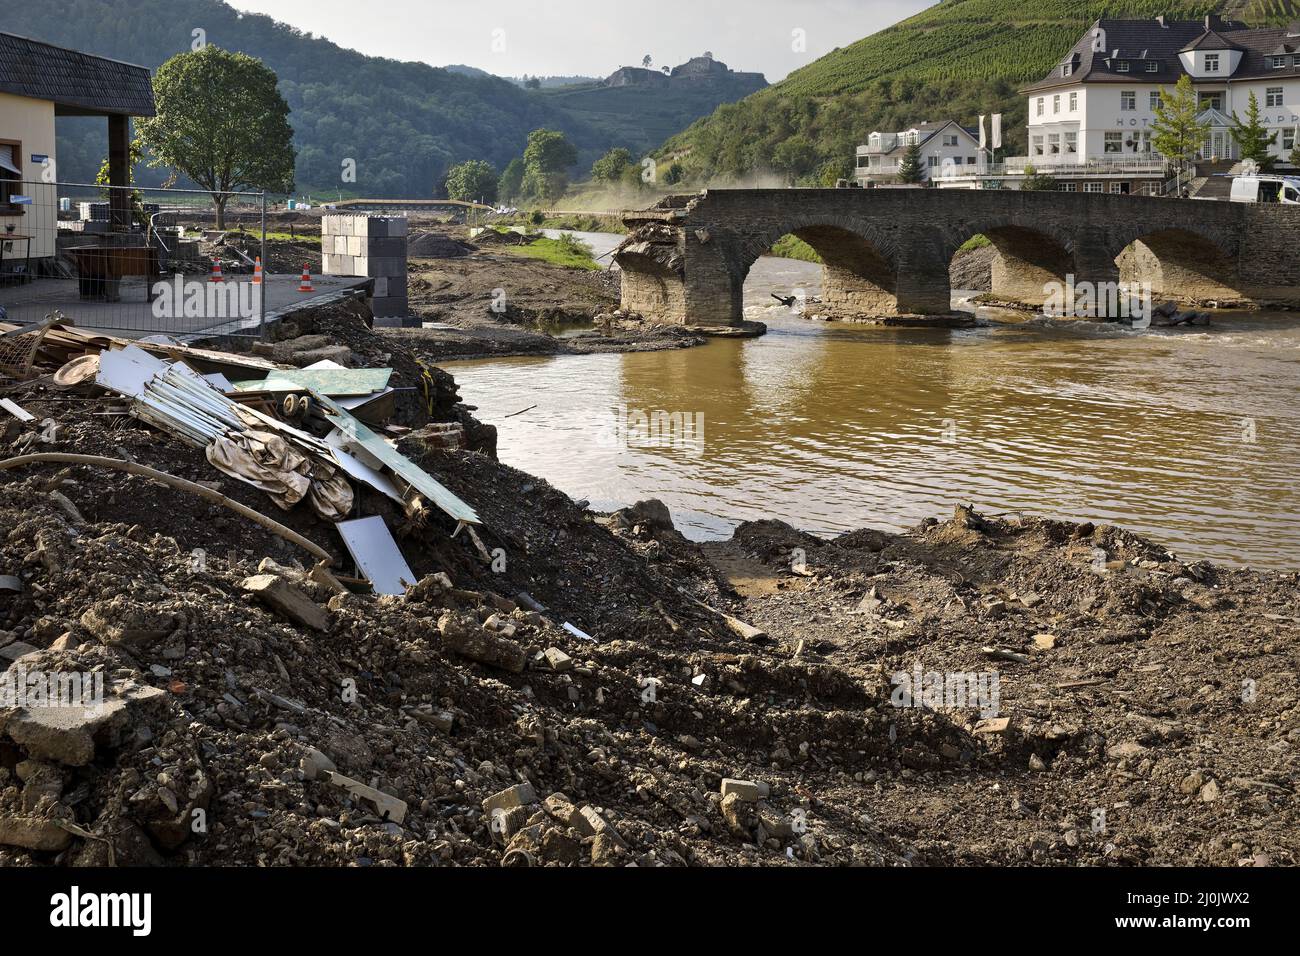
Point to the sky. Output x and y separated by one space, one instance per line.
591 37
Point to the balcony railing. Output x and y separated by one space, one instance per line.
1059 165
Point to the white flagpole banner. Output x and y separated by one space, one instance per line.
983 141
997 130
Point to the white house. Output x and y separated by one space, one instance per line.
945 147
37 83
1090 119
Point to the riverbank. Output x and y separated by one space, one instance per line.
670 704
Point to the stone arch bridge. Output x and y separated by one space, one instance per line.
887 251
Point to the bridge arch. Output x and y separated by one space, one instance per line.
1181 264
859 263
1028 256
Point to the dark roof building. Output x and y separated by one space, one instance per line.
1153 51
78 84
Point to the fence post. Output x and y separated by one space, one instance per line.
261 295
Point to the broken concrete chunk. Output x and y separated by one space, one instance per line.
33 833
14 650
466 637
748 790
69 735
315 765
121 621
520 795
287 600
558 660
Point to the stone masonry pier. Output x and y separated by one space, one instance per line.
887 251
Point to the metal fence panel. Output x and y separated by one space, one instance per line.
130 260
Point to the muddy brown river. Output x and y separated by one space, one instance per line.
1191 437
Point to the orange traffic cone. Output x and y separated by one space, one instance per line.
216 272
257 271
305 285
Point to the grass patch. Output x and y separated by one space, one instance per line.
976 241
566 252
791 246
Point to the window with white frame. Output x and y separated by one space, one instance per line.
1153 66
1155 100
1056 103
11 174
1288 139
1067 69
1114 142
1211 63
1121 66
1128 99
1068 188
1071 142
1117 187
950 140
1277 62
1042 100
1053 144
1036 145
1094 187
934 161
1273 96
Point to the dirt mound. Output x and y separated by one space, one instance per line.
436 245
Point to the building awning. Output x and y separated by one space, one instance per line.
7 160
79 84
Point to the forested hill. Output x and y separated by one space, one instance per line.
954 60
403 123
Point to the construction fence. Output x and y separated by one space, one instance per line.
136 259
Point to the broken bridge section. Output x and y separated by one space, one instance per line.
886 252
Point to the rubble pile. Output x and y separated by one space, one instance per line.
461 665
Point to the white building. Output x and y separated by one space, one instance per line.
1090 119
944 147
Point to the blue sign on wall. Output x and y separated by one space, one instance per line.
21 200
39 157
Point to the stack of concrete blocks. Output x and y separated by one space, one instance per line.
375 247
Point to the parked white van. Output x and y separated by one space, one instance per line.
1278 189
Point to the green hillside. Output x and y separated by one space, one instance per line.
955 60
403 123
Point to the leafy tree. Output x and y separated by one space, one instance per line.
610 167
533 83
1176 132
222 122
472 181
134 155
511 185
1251 136
646 61
910 169
674 174
1036 182
1294 158
795 156
547 160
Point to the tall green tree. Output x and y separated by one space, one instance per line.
511 185
547 161
222 122
472 181
609 168
1176 133
1252 138
910 169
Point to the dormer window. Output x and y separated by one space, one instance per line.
1121 66
1067 69
1277 62
1211 63
1153 66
